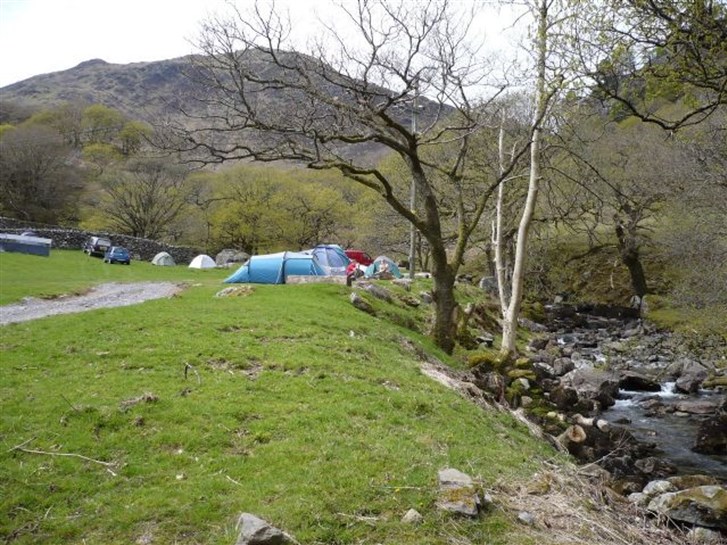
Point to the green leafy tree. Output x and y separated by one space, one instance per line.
242 215
308 213
145 199
132 136
101 124
645 53
66 119
101 156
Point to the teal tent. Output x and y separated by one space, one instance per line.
381 265
275 268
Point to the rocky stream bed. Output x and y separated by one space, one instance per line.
636 405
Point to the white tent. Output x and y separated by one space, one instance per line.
163 259
202 261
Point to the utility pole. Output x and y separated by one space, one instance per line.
413 191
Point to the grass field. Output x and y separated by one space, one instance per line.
161 422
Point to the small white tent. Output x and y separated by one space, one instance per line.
163 259
202 261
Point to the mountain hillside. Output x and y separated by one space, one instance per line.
152 92
144 90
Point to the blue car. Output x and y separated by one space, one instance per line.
117 254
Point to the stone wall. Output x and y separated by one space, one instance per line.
74 239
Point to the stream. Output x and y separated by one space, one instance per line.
672 433
619 341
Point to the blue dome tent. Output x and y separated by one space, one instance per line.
275 268
331 258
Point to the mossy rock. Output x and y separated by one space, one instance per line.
514 392
523 363
534 311
489 361
515 374
715 382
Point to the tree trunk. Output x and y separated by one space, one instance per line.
498 238
444 329
445 325
510 316
629 251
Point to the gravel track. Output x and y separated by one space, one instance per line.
102 296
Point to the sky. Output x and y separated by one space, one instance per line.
41 36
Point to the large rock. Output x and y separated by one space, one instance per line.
692 375
458 493
636 382
561 366
593 385
712 435
697 406
361 304
255 531
682 482
704 536
564 398
702 505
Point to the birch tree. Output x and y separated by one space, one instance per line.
549 81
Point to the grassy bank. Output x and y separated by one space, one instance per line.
164 420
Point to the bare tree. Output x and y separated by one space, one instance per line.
266 100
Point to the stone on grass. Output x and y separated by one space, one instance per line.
255 531
458 493
412 516
358 302
526 518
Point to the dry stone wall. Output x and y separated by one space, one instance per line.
74 239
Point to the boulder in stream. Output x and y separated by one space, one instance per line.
638 382
703 505
712 435
692 375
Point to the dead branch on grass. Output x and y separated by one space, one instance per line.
107 465
146 397
187 367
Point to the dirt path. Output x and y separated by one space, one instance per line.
102 296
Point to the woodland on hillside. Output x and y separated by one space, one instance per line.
625 122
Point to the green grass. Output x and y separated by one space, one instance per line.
66 271
295 407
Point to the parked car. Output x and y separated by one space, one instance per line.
359 256
97 246
117 254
